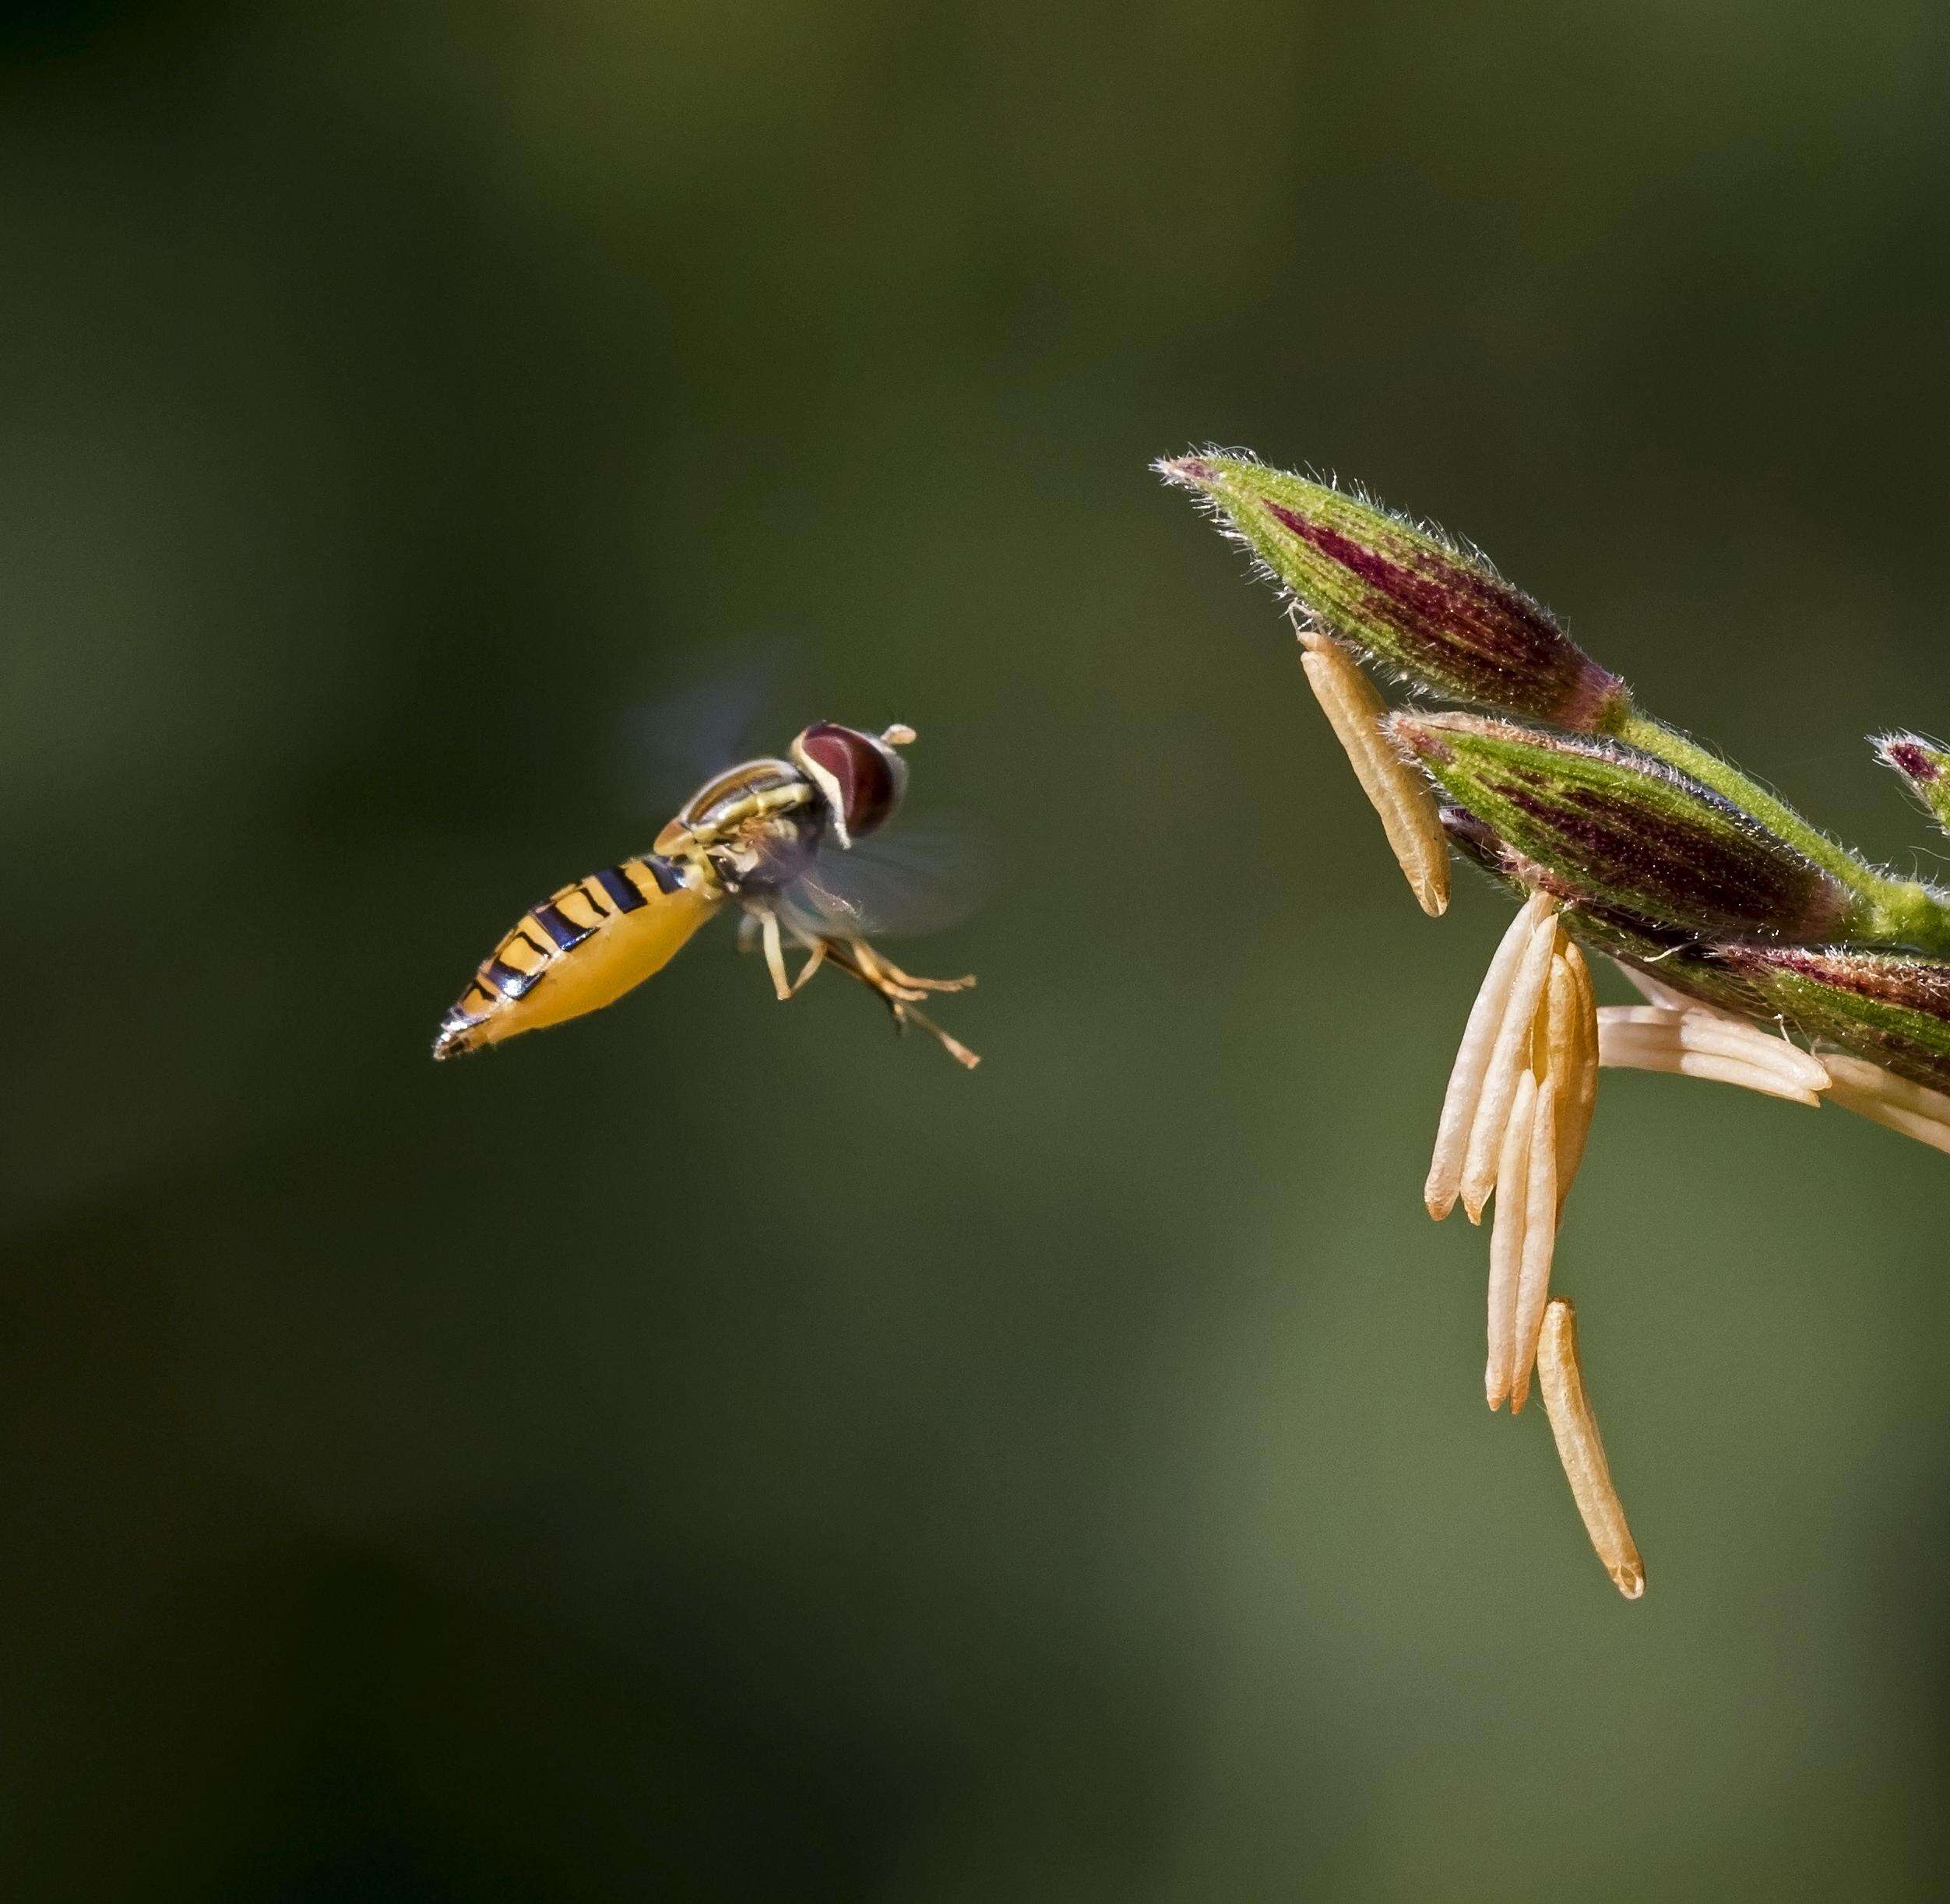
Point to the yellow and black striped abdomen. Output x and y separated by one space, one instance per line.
579 950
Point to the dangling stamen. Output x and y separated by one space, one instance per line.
1399 795
1579 1096
1539 1191
1473 1055
1509 1056
1700 1043
1507 1239
1560 1375
1896 1104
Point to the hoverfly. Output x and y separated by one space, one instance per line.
755 836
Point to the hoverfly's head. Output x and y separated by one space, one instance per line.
860 776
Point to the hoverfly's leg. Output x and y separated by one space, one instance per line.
876 971
815 959
863 965
775 956
883 969
856 958
953 1047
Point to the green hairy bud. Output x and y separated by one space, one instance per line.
1621 833
1925 768
1406 595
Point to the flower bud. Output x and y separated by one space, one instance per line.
1886 1007
1619 833
1925 768
1445 618
1672 957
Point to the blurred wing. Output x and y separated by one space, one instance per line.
668 745
923 878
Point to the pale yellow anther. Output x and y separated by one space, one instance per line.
1539 1191
1509 1057
1400 796
1700 1029
1507 1239
1653 990
1701 1043
1473 1055
1580 1096
1896 1104
1523 1084
1676 1033
1574 1428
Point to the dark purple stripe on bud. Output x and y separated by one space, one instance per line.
1445 618
1670 956
1622 833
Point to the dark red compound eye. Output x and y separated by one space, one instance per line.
871 775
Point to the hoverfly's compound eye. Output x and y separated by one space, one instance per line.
860 774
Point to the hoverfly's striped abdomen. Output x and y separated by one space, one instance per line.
579 950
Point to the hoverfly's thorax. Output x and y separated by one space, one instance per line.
756 824
737 794
736 801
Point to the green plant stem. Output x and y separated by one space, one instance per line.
1891 912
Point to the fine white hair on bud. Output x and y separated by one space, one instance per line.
1400 795
1472 1063
1924 765
1438 613
1574 1428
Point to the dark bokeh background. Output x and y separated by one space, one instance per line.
712 1451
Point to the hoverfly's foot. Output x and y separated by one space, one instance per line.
883 972
895 990
968 1060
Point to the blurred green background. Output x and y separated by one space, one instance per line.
713 1451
